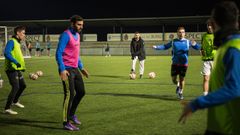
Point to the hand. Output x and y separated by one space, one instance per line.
64 75
193 42
18 65
85 72
187 111
154 47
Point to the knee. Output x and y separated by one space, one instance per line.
16 87
206 78
80 94
181 79
23 87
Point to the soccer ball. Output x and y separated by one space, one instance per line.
33 76
152 75
39 73
132 76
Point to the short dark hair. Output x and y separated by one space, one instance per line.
75 18
180 28
209 22
225 13
19 29
137 32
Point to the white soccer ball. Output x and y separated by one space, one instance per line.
132 76
33 76
152 75
39 73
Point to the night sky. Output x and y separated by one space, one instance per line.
91 9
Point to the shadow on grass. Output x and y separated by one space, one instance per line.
30 123
110 76
34 93
161 97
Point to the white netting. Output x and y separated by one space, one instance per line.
5 33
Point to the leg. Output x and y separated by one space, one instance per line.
174 73
36 52
180 87
207 66
181 83
68 87
174 80
14 81
182 74
80 92
205 84
67 104
30 52
134 61
22 86
48 52
141 69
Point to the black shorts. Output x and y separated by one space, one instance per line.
178 70
48 49
37 49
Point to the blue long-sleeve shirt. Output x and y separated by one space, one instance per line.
180 48
63 41
7 52
230 88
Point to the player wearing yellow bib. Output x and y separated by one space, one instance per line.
223 99
208 51
14 64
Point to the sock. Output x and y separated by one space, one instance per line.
205 93
181 91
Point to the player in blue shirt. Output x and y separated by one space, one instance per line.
180 47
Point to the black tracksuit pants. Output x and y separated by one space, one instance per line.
18 85
73 93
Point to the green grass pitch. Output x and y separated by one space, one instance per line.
113 104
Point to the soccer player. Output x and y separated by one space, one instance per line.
38 48
180 47
14 65
208 51
107 50
48 46
69 64
138 53
223 99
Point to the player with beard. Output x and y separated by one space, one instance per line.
69 65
